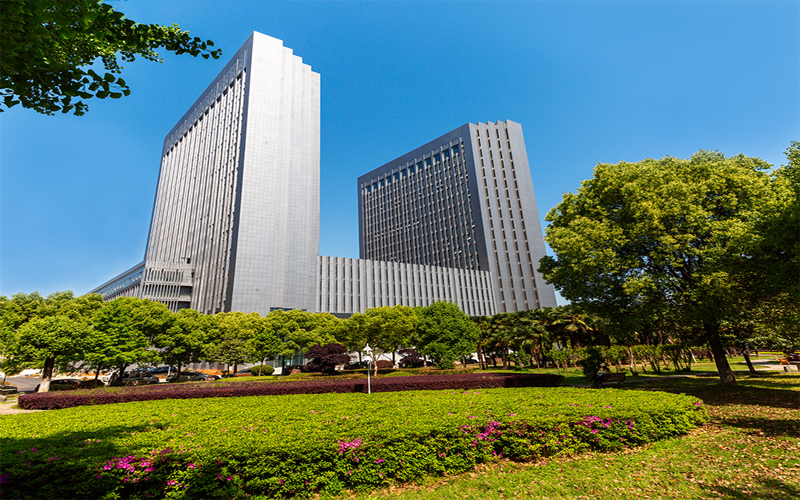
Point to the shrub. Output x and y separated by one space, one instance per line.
384 364
592 362
265 369
521 360
299 446
325 358
411 358
57 400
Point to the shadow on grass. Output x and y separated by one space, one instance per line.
770 490
75 457
762 390
757 426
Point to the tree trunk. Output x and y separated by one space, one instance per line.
726 376
47 374
634 371
261 365
746 352
178 373
481 360
97 372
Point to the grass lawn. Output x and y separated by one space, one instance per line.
749 450
574 376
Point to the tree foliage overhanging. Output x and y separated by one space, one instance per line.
49 46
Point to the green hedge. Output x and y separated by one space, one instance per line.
296 446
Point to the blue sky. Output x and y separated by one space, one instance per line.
590 82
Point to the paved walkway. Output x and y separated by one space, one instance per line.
6 409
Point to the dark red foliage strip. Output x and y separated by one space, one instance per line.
57 400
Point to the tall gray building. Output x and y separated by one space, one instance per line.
235 222
464 200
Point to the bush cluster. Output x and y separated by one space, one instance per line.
265 370
299 446
59 400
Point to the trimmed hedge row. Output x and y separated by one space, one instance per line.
60 400
300 446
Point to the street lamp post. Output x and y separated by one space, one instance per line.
368 352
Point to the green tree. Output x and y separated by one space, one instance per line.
22 309
14 313
502 333
300 330
266 342
570 325
234 342
123 330
185 340
44 340
48 46
661 234
445 333
384 329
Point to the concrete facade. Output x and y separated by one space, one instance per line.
235 223
348 285
463 200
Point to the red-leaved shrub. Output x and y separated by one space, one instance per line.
57 400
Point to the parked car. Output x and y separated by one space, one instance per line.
470 361
8 389
188 376
60 384
415 363
358 365
138 377
160 370
288 369
244 372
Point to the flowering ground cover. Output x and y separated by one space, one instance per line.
749 449
301 445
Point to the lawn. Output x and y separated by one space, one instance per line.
574 375
750 449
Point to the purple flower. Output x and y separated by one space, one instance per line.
351 445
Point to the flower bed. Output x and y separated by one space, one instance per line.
58 400
298 446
